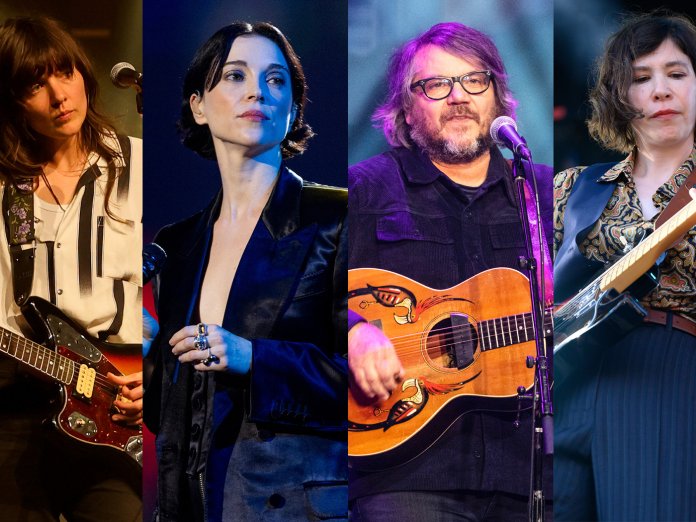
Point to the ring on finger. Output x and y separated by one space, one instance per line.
211 359
200 342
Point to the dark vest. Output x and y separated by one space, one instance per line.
587 200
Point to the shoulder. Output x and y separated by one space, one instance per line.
372 170
323 202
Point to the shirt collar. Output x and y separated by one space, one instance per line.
418 168
623 170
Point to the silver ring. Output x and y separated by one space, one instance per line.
200 342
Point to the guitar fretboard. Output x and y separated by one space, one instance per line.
639 260
38 357
512 329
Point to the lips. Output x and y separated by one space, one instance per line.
253 115
64 116
665 113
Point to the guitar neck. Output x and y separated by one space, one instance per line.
639 260
512 329
38 357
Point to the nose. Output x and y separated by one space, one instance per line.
458 94
56 91
256 90
661 89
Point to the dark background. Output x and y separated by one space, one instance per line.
178 182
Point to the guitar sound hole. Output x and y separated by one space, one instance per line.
452 342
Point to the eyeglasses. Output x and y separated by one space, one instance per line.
475 82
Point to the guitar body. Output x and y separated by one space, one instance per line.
463 349
583 333
79 364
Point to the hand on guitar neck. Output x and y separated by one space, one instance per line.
375 370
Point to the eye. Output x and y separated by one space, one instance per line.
235 76
641 79
276 79
35 88
677 75
437 83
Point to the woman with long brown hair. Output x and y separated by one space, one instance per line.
71 199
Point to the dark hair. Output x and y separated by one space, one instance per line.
455 38
205 72
31 49
612 114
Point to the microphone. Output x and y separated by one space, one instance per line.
154 258
124 75
504 133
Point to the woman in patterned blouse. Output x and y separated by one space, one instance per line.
625 424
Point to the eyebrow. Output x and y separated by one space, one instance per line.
668 64
270 66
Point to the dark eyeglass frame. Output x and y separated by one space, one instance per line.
453 79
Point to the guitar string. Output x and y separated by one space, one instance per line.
526 318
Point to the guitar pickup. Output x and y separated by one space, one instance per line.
85 382
462 340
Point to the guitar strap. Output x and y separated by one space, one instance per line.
541 251
680 198
18 213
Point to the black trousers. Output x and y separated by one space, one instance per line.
42 477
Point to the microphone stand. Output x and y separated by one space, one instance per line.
542 409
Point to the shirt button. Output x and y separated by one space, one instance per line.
59 291
58 245
477 454
276 501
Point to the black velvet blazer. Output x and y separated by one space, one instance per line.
291 303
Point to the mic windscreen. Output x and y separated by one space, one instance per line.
499 122
154 258
121 73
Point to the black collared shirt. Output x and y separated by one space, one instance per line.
401 203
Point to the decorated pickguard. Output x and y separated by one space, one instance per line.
409 311
405 409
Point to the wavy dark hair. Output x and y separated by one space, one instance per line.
205 71
641 34
31 49
455 38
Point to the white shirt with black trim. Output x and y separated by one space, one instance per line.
88 264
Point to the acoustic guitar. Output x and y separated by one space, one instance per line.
463 349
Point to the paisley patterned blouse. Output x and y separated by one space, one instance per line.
622 226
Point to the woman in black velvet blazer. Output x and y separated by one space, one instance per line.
248 395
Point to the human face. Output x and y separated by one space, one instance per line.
56 106
664 90
251 106
454 129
